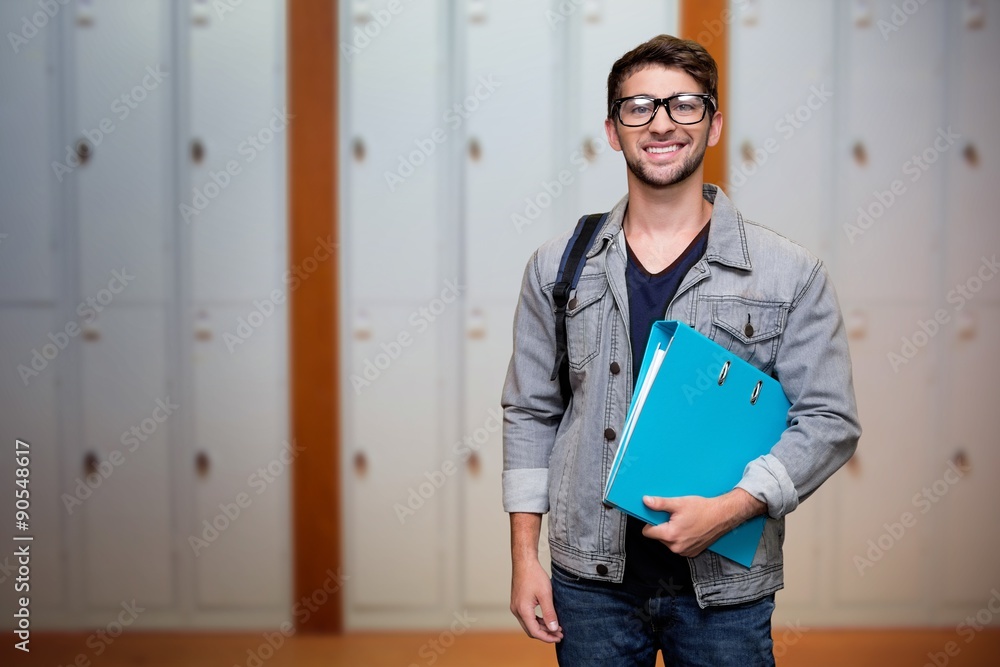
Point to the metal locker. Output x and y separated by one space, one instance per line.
28 412
239 124
394 485
508 112
126 540
875 563
889 195
121 139
971 237
484 526
964 482
27 185
781 104
395 143
600 33
240 467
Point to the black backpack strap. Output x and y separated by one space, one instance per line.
570 269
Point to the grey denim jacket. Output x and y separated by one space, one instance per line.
556 461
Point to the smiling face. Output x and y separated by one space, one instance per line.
663 153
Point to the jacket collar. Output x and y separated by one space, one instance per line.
726 237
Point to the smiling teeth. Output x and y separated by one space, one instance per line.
657 149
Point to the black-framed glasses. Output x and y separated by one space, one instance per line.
683 109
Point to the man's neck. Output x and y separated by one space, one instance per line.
679 209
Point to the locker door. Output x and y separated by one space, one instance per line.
395 488
874 562
27 186
121 120
972 195
396 142
127 544
604 31
968 538
889 190
28 412
513 111
238 130
781 110
241 465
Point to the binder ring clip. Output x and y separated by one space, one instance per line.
756 392
723 373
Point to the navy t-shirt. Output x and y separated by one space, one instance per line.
651 569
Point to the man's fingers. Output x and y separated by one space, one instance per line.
549 620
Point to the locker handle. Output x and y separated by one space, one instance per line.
854 465
91 334
83 151
971 155
197 151
360 464
475 150
474 464
476 327
966 328
358 149
203 334
860 154
90 463
747 152
961 461
202 464
590 149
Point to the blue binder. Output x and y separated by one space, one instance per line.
698 416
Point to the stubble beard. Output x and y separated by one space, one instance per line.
646 173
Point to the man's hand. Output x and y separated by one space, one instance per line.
696 522
530 587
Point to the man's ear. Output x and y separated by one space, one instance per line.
611 129
715 130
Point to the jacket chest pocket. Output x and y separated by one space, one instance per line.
584 314
749 329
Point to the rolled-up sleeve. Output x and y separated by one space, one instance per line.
532 403
813 365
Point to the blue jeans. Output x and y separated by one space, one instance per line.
607 626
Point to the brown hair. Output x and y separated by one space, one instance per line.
666 51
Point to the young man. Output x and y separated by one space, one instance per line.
672 248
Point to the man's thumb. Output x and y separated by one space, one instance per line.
548 612
660 504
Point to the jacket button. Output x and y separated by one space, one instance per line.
748 330
615 368
572 303
609 434
602 569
